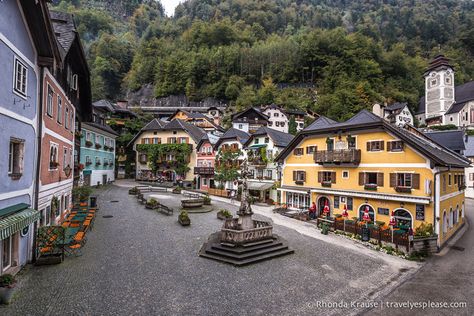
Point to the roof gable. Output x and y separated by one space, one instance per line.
248 112
321 122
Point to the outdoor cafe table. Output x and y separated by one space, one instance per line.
70 233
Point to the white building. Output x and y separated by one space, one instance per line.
277 118
443 103
262 147
397 113
233 140
469 153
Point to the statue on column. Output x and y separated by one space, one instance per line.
245 210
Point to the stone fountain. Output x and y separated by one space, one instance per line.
244 240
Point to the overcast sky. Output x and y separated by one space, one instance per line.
170 5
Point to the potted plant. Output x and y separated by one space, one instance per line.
177 190
224 214
324 228
151 204
7 287
98 146
133 191
207 200
88 143
81 194
184 219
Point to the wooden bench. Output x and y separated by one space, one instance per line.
151 189
165 209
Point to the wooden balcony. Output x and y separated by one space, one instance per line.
345 157
204 170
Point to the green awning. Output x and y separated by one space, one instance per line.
13 209
259 186
17 221
258 146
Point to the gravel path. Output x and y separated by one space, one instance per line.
143 262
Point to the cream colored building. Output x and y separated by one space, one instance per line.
166 135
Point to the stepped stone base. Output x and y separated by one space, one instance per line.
240 255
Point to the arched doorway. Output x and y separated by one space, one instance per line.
169 175
323 201
403 217
371 212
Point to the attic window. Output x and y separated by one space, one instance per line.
57 34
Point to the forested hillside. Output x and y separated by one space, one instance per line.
333 57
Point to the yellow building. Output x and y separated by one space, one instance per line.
367 163
159 133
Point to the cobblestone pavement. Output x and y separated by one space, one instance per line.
141 262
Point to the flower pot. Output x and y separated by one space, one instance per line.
6 294
184 222
82 203
221 216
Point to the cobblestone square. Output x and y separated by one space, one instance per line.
141 262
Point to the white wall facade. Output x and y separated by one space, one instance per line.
241 126
277 119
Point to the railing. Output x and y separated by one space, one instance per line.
204 170
349 156
231 234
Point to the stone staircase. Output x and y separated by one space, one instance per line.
240 255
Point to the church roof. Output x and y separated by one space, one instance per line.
463 93
439 62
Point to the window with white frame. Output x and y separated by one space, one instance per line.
53 156
49 102
97 160
7 253
88 160
297 200
65 160
15 157
60 110
88 136
97 139
21 78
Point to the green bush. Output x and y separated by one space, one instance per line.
183 216
152 202
7 280
207 199
81 193
424 230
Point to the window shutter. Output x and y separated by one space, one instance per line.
369 147
393 180
389 146
304 176
333 177
416 181
294 175
143 140
320 176
361 178
382 145
380 179
295 152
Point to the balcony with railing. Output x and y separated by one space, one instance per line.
345 157
204 170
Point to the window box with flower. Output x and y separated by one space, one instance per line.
88 143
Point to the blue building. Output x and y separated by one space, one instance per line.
97 154
26 47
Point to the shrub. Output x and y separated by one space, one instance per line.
424 230
207 199
7 280
177 190
152 202
133 191
81 193
183 216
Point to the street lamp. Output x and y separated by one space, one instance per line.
67 171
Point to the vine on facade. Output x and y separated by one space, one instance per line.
172 156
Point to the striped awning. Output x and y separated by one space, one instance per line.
17 221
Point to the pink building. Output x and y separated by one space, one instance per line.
205 163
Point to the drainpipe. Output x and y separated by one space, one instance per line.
38 157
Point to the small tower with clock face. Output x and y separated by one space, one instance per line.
439 87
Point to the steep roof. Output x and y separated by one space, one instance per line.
453 140
365 120
64 28
105 128
280 139
256 110
233 133
104 104
195 132
455 108
396 106
155 124
321 122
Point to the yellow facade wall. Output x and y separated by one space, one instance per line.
409 161
164 135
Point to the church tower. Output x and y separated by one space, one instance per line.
439 88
